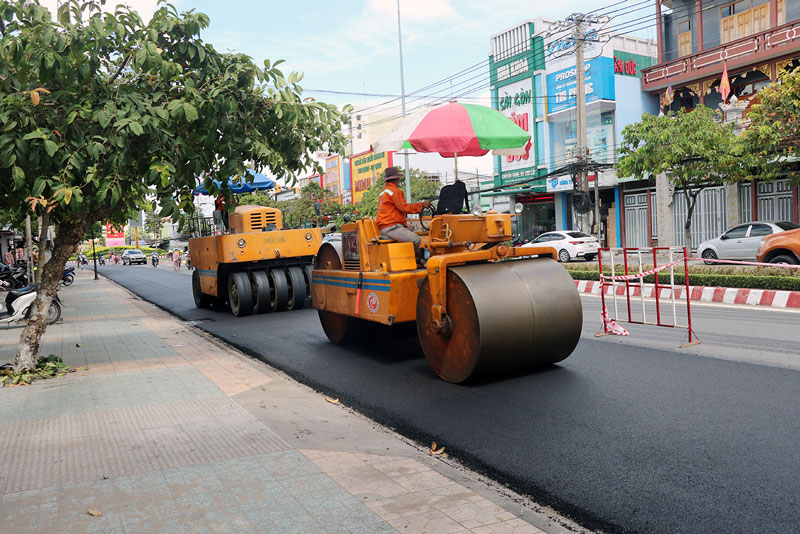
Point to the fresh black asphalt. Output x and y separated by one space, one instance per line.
618 437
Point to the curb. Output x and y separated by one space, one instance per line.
727 295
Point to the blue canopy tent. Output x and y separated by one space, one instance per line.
240 185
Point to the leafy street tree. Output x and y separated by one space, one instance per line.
771 141
421 188
98 110
693 148
152 223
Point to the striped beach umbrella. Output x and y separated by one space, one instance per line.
456 129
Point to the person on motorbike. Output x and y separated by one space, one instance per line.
154 258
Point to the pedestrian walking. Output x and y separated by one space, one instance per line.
176 260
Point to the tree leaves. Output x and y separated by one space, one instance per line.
190 112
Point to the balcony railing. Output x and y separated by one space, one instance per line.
748 50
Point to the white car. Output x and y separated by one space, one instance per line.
569 244
742 241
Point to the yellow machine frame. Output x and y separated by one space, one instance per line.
379 280
257 239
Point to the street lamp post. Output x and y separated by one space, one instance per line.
403 99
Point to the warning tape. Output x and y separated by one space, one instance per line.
640 275
753 263
610 325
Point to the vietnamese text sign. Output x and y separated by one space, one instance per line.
598 79
366 169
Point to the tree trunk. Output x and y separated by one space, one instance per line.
691 201
67 238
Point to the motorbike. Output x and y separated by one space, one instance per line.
154 261
68 276
17 305
101 260
518 241
15 277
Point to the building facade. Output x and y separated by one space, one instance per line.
533 76
754 40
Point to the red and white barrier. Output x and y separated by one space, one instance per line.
727 295
630 285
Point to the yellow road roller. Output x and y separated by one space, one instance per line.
481 307
255 267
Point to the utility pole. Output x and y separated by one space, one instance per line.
580 113
403 96
579 25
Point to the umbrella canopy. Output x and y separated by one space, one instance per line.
239 184
456 129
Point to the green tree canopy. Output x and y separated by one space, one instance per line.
771 141
98 110
694 148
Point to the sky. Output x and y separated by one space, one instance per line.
351 46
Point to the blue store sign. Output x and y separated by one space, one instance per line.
598 80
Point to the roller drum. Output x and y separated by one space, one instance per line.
504 317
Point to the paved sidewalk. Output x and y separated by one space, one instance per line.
164 430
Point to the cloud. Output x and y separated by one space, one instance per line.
145 8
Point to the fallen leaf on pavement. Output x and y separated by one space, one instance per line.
78 344
95 513
435 452
433 446
332 401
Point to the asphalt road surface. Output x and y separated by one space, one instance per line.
629 434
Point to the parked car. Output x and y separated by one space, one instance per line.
131 256
742 241
783 247
569 244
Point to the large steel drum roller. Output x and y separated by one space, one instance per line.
504 317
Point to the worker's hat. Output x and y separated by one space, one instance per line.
391 173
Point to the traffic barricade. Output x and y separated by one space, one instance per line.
629 287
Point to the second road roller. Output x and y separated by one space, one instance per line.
481 307
256 266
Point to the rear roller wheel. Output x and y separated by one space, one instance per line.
261 293
503 317
201 300
279 290
297 288
339 328
240 294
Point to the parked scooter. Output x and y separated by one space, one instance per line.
15 277
68 276
18 305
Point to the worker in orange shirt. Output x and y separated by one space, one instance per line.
392 210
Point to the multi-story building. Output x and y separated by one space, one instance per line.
755 40
533 77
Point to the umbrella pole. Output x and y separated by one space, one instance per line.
455 160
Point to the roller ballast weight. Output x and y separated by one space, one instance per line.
256 265
481 307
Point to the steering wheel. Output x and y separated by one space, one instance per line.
426 211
